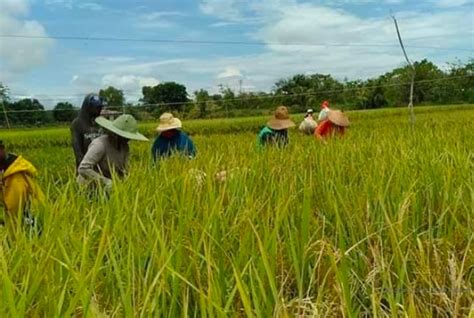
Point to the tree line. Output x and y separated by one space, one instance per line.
433 86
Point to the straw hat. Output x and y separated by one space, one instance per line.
168 122
281 119
338 118
125 126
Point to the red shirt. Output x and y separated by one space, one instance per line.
327 128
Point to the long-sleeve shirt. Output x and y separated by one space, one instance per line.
180 142
323 114
327 128
19 190
268 136
102 159
84 129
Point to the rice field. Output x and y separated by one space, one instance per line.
377 224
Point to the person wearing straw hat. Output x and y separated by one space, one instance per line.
20 193
276 130
308 125
309 113
323 114
109 153
171 139
335 124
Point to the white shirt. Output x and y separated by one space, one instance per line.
323 114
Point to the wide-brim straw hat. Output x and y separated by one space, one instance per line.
168 122
338 118
124 126
281 119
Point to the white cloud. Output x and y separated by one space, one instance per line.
65 3
21 54
452 3
230 72
158 19
15 7
281 25
90 6
225 9
76 4
130 84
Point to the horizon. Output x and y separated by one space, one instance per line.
73 47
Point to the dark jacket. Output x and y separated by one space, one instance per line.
268 136
84 128
164 147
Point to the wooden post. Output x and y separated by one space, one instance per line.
412 85
6 115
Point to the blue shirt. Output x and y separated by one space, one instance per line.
164 147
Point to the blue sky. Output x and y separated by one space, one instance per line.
54 70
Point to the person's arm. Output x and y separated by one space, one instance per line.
77 143
90 161
321 115
191 149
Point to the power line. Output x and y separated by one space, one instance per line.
266 96
129 92
213 42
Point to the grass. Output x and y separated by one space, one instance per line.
376 224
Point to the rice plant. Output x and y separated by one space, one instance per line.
379 223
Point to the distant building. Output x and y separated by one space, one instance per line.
110 114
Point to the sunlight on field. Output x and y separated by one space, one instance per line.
378 223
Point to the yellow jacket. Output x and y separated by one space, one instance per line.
19 187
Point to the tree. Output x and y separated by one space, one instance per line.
307 91
170 96
113 96
425 90
64 112
229 101
4 99
27 112
202 97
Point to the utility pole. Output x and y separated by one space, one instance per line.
7 122
240 93
412 85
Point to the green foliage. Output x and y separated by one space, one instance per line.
64 112
27 112
378 223
202 97
433 87
170 93
113 96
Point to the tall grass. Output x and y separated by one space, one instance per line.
376 224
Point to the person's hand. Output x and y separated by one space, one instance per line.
108 185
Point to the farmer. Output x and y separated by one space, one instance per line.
171 139
276 130
333 125
20 193
324 111
109 153
309 113
83 128
308 125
